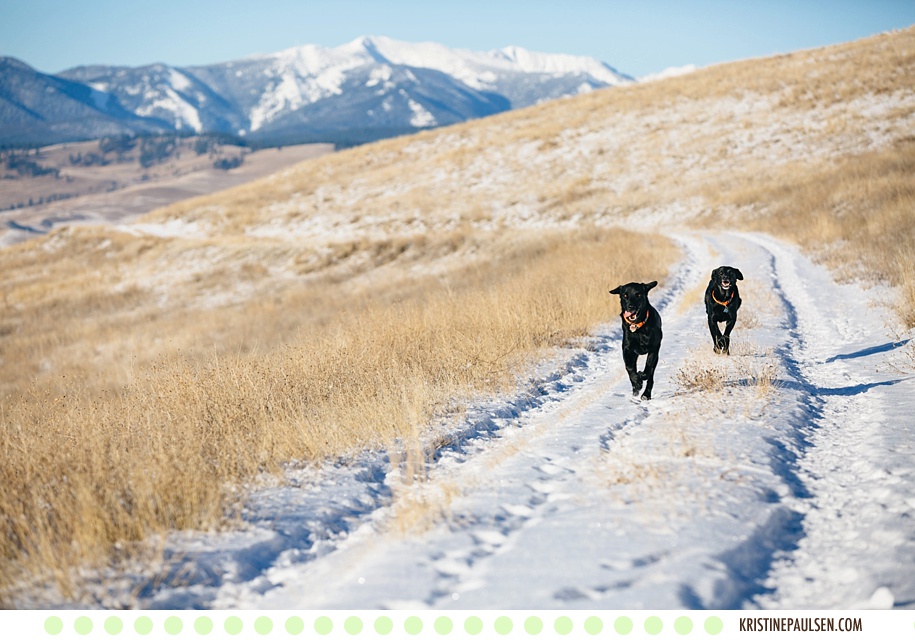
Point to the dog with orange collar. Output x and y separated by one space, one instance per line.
641 334
722 300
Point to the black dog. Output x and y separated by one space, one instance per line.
641 334
722 300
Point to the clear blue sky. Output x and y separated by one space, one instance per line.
636 37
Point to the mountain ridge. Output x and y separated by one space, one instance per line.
369 88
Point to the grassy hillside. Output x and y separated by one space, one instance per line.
147 370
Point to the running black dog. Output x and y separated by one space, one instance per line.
722 300
641 334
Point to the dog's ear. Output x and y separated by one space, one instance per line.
651 285
615 291
738 274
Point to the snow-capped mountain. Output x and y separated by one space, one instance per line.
268 88
161 92
370 88
39 109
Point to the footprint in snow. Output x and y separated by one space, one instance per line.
551 469
451 567
490 538
518 510
569 594
625 564
542 487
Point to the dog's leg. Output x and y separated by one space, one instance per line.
651 363
716 333
630 359
726 336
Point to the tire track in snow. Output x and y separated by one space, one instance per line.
811 552
749 563
849 479
557 474
466 560
523 484
488 442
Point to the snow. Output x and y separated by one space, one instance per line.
175 228
291 91
421 117
100 97
472 67
178 80
380 75
561 63
458 63
301 76
669 72
570 495
170 101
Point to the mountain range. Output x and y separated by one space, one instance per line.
367 89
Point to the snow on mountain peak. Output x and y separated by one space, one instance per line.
313 59
472 66
314 91
366 47
670 72
178 80
562 63
303 75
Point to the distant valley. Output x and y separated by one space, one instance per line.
113 180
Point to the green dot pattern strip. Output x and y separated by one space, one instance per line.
380 626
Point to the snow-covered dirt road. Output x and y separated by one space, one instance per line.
779 477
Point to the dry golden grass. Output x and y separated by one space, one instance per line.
84 465
857 213
147 373
747 366
419 507
701 374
